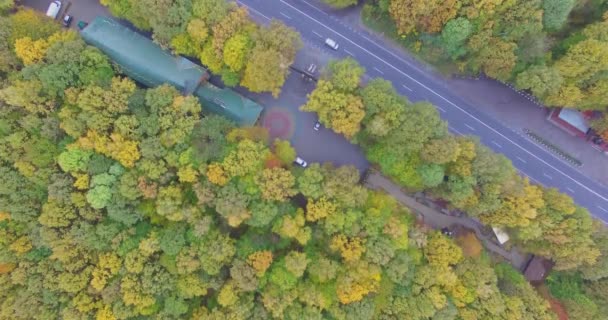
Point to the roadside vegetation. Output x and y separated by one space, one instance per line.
219 34
121 202
410 143
556 49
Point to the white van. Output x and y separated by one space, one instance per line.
53 9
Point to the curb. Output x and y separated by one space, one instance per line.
551 147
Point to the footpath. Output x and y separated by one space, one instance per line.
438 220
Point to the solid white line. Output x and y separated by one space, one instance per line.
378 70
602 209
252 9
520 159
548 176
468 126
406 87
496 143
451 103
570 190
284 15
310 5
320 36
349 52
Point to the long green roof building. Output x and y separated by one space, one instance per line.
150 65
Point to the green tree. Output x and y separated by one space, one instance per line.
345 74
555 13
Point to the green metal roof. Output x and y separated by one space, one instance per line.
147 63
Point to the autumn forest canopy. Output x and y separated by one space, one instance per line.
124 202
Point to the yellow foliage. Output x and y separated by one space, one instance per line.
187 174
260 261
350 249
21 245
105 313
116 147
25 168
228 295
31 51
82 181
322 208
216 174
108 265
4 216
360 280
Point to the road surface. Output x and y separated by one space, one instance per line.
315 23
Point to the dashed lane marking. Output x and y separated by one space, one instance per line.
408 88
449 102
284 15
602 208
520 159
310 5
548 176
317 34
350 53
496 144
380 71
440 108
569 189
468 126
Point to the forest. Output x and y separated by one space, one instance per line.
555 49
410 143
219 34
121 202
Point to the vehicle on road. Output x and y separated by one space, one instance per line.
317 126
67 20
53 9
301 162
331 43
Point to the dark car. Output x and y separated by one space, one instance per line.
67 20
317 126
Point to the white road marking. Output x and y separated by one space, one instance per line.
349 52
468 126
450 102
570 190
406 87
318 35
440 108
310 5
602 209
378 70
548 176
527 176
496 144
284 15
253 10
453 129
520 159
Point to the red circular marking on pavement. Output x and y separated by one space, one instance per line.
279 123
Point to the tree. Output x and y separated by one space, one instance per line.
264 71
555 13
454 35
339 111
284 151
345 74
276 184
339 4
541 80
235 51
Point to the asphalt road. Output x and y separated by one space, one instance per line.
316 23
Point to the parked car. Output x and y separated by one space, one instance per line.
53 9
301 162
67 20
331 43
317 126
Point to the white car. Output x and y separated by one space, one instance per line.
53 9
331 43
301 162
